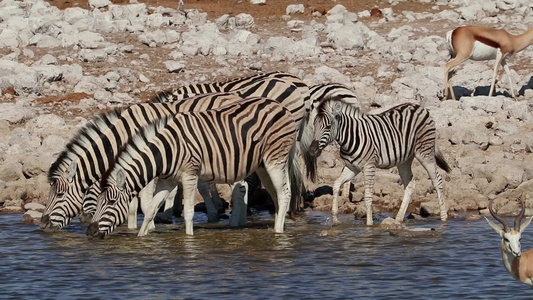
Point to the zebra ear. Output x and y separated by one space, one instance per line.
121 179
71 171
337 107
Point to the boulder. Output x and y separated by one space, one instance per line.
174 66
295 9
32 217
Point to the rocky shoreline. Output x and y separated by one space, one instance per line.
60 67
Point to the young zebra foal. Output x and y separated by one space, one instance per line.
392 138
223 145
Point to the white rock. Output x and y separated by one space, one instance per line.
143 79
15 113
486 103
258 1
174 66
8 38
99 3
90 55
295 9
34 206
349 36
47 59
337 9
90 40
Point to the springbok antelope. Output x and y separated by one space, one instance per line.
518 264
480 43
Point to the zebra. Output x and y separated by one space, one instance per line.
222 145
91 151
319 93
228 86
89 203
369 141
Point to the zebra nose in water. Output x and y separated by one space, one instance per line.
92 230
45 221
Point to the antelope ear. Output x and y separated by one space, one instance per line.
525 224
71 171
495 226
121 179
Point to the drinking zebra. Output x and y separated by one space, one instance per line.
88 155
392 138
241 189
222 145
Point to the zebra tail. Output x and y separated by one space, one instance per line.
305 139
441 162
298 190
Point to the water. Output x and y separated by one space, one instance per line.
464 263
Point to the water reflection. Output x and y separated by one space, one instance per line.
255 262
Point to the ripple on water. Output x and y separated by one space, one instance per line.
255 262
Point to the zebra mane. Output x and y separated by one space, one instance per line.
83 140
130 150
336 106
165 97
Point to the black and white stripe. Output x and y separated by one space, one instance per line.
369 141
229 85
222 145
88 155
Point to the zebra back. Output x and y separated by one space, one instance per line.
226 86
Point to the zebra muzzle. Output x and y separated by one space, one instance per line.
92 230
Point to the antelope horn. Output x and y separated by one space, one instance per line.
520 216
500 219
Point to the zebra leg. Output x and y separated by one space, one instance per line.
276 181
150 205
214 195
189 183
169 204
436 179
370 175
239 202
144 198
132 213
178 203
345 176
212 211
409 187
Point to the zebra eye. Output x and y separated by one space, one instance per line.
60 195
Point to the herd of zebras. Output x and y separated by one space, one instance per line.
226 132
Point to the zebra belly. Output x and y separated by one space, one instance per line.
483 52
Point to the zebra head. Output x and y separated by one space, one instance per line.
64 202
112 208
324 127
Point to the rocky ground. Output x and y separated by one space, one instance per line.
63 61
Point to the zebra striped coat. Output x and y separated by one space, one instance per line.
245 84
223 145
392 138
89 154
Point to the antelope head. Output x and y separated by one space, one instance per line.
510 236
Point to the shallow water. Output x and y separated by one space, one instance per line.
465 262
